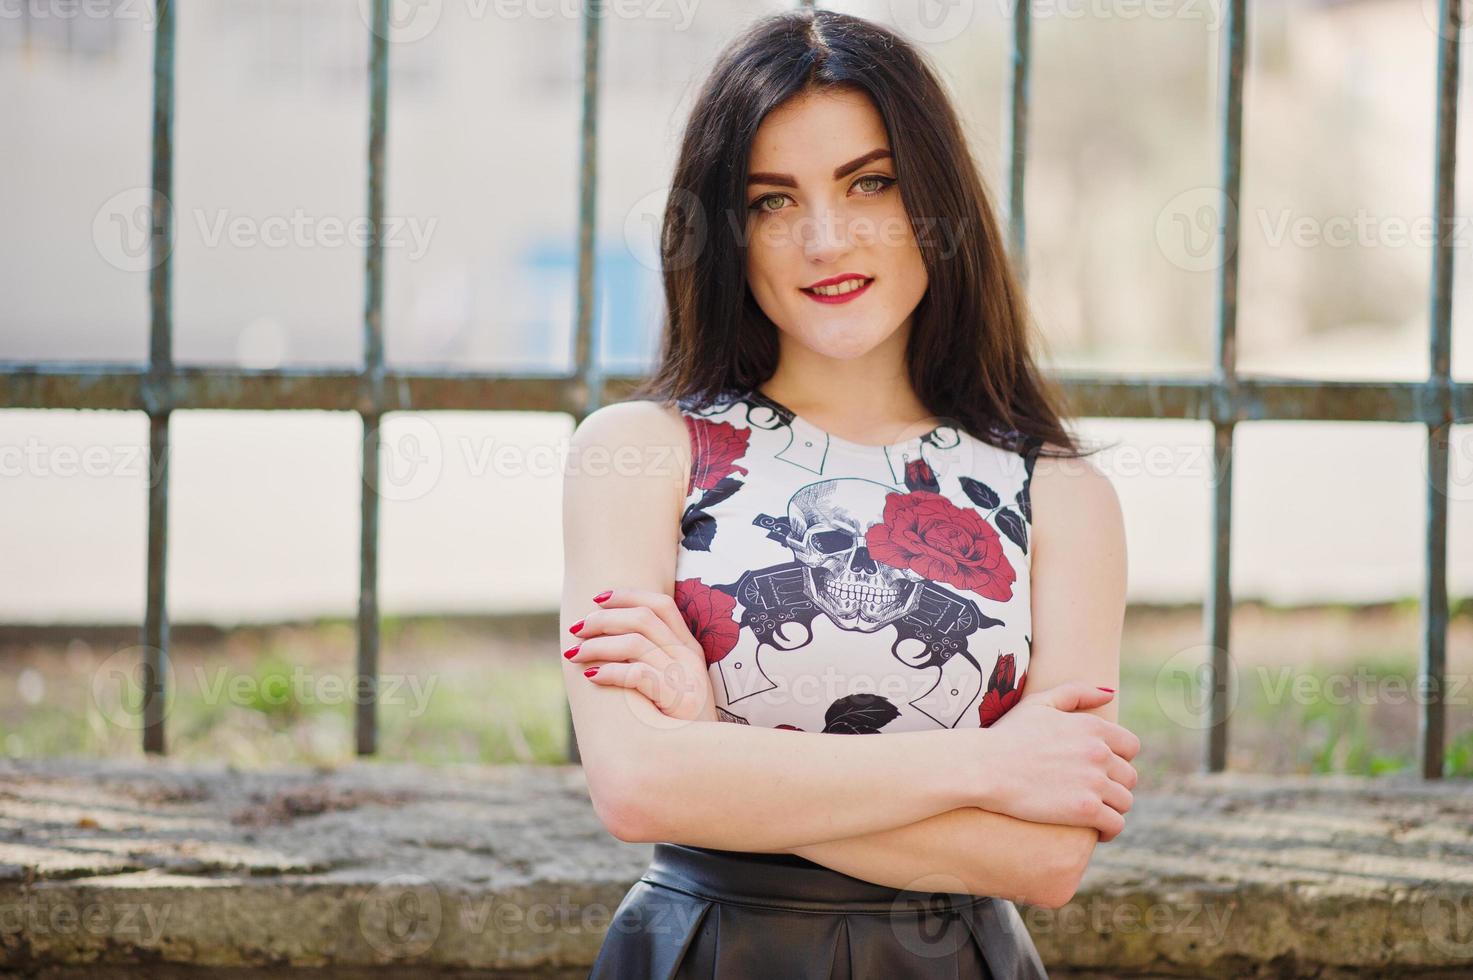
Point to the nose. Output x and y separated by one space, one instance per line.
862 562
826 235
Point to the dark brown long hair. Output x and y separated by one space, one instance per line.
968 356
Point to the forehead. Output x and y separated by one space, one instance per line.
813 132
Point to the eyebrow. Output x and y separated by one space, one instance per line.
841 171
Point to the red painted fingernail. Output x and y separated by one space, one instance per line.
571 650
576 627
603 595
590 672
1109 690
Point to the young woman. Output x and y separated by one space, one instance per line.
844 503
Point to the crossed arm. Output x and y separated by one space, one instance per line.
1077 579
1078 608
969 851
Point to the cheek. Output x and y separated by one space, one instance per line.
906 255
768 263
915 266
914 281
782 234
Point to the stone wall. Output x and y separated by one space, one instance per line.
157 868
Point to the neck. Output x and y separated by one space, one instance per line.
865 393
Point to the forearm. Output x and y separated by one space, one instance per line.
967 850
740 787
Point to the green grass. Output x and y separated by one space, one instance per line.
287 698
454 691
1360 719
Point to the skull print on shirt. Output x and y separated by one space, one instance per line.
847 588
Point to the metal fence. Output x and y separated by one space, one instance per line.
1224 397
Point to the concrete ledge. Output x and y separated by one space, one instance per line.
158 868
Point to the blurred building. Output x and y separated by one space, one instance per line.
271 137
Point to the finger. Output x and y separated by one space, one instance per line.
618 647
662 604
1117 797
1121 771
1122 741
632 676
1109 821
665 689
1075 695
630 619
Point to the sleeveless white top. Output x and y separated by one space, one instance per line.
849 588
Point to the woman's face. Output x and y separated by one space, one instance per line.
823 202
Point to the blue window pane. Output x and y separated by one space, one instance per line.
628 299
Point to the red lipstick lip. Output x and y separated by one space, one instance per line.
850 296
835 280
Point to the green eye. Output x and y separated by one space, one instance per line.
879 182
884 184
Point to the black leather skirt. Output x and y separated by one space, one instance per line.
704 914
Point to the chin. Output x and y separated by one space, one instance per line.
841 341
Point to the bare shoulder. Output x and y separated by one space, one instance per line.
642 441
637 422
1073 499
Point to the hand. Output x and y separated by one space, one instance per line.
1056 763
638 640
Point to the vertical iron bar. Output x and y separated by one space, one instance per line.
1219 610
1431 720
585 347
365 681
1015 132
160 365
372 399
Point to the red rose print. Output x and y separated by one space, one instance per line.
715 448
1002 692
933 537
788 728
708 614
